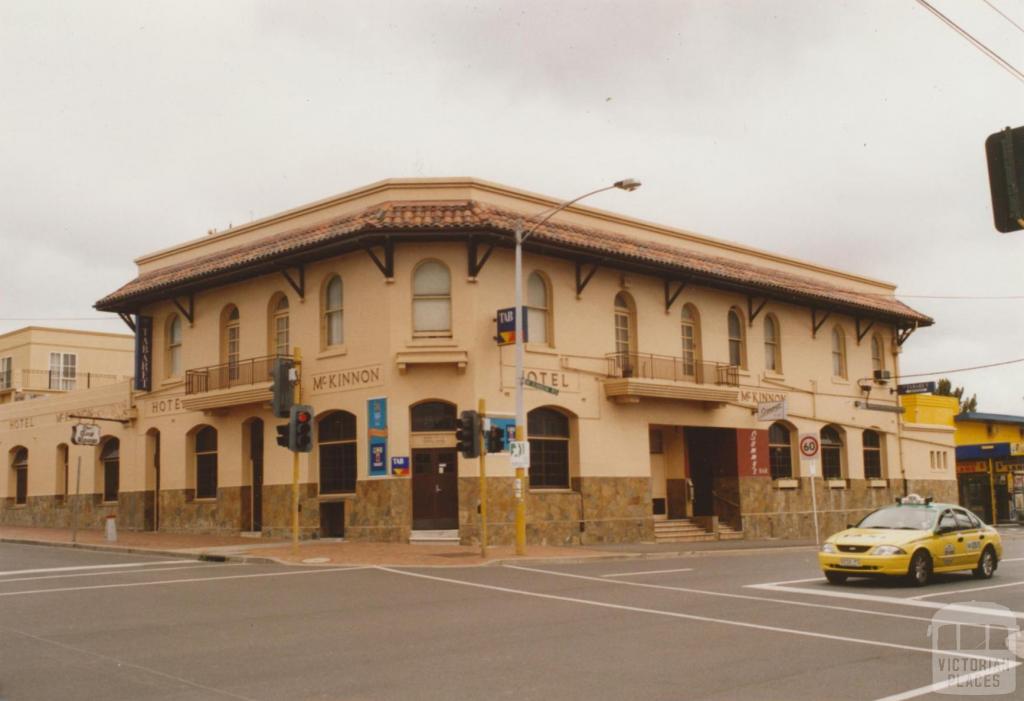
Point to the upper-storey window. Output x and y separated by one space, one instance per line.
6 373
334 328
772 344
877 355
174 346
838 352
231 339
432 300
737 341
63 370
689 326
625 334
279 325
538 303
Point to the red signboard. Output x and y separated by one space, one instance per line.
752 453
969 467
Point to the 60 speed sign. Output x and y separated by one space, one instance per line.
809 445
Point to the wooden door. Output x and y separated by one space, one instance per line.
256 453
435 489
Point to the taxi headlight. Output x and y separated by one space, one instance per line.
888 550
828 548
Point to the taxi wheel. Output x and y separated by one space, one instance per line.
986 564
835 577
920 570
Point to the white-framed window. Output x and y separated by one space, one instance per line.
538 305
689 327
63 371
279 326
838 353
737 341
432 300
334 312
877 355
174 346
772 344
6 373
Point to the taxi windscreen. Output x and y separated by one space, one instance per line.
904 518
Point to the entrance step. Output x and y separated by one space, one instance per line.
727 533
251 534
680 531
435 537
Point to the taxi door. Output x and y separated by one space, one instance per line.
971 539
948 550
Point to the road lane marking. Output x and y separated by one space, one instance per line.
694 617
195 566
807 604
1011 559
177 581
968 591
959 679
161 563
635 574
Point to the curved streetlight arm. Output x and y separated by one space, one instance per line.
628 184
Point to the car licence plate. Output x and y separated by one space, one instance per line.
849 562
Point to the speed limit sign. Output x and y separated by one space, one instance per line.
808 445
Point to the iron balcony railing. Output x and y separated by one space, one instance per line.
236 373
32 379
648 366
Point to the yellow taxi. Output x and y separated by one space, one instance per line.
912 538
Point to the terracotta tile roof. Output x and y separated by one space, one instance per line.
408 218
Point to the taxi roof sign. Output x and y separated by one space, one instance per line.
915 499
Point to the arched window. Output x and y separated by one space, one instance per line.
206 463
772 344
231 340
336 436
173 367
279 341
334 327
19 463
737 342
831 454
780 451
549 448
538 315
625 325
877 354
433 416
838 352
689 325
872 455
432 300
110 459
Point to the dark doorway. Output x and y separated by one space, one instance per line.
332 519
976 494
435 489
152 505
256 456
711 455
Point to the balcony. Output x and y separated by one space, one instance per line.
46 381
632 376
246 381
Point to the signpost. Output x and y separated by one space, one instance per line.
809 448
536 385
85 434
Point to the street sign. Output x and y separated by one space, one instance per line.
520 453
891 408
536 385
85 434
809 446
916 388
771 411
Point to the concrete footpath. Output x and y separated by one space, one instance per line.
340 552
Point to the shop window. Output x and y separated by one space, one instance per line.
548 431
538 305
432 300
333 322
63 371
737 339
110 459
173 335
19 464
336 436
689 326
206 463
780 451
433 416
838 353
279 325
831 453
872 455
772 344
877 353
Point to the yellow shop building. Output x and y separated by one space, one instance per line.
680 372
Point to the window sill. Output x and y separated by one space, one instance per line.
786 484
877 484
772 375
540 349
332 352
431 341
840 380
836 484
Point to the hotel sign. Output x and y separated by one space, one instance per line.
347 380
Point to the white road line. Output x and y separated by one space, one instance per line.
961 679
1011 559
763 599
968 591
177 581
159 563
636 574
892 600
111 574
694 617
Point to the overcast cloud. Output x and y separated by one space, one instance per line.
845 133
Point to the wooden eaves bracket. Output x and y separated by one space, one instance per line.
670 295
127 319
387 267
298 285
751 312
862 332
474 262
903 333
187 313
815 323
583 280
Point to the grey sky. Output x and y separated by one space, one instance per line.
846 133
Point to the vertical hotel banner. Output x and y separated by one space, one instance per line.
377 430
143 353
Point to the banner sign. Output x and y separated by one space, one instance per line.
85 434
377 431
771 411
916 388
507 326
400 466
143 353
752 453
507 424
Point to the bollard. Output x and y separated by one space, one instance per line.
112 528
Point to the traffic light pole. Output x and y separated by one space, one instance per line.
295 457
482 410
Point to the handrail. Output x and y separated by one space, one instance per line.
649 366
247 371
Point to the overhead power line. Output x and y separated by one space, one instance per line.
975 367
1002 62
60 318
1004 15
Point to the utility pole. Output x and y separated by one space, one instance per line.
295 457
482 410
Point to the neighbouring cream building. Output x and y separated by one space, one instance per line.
660 343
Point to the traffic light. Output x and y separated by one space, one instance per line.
1005 153
495 439
282 391
300 429
467 434
282 435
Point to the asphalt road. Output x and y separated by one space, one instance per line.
731 625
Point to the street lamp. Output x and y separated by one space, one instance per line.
628 185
